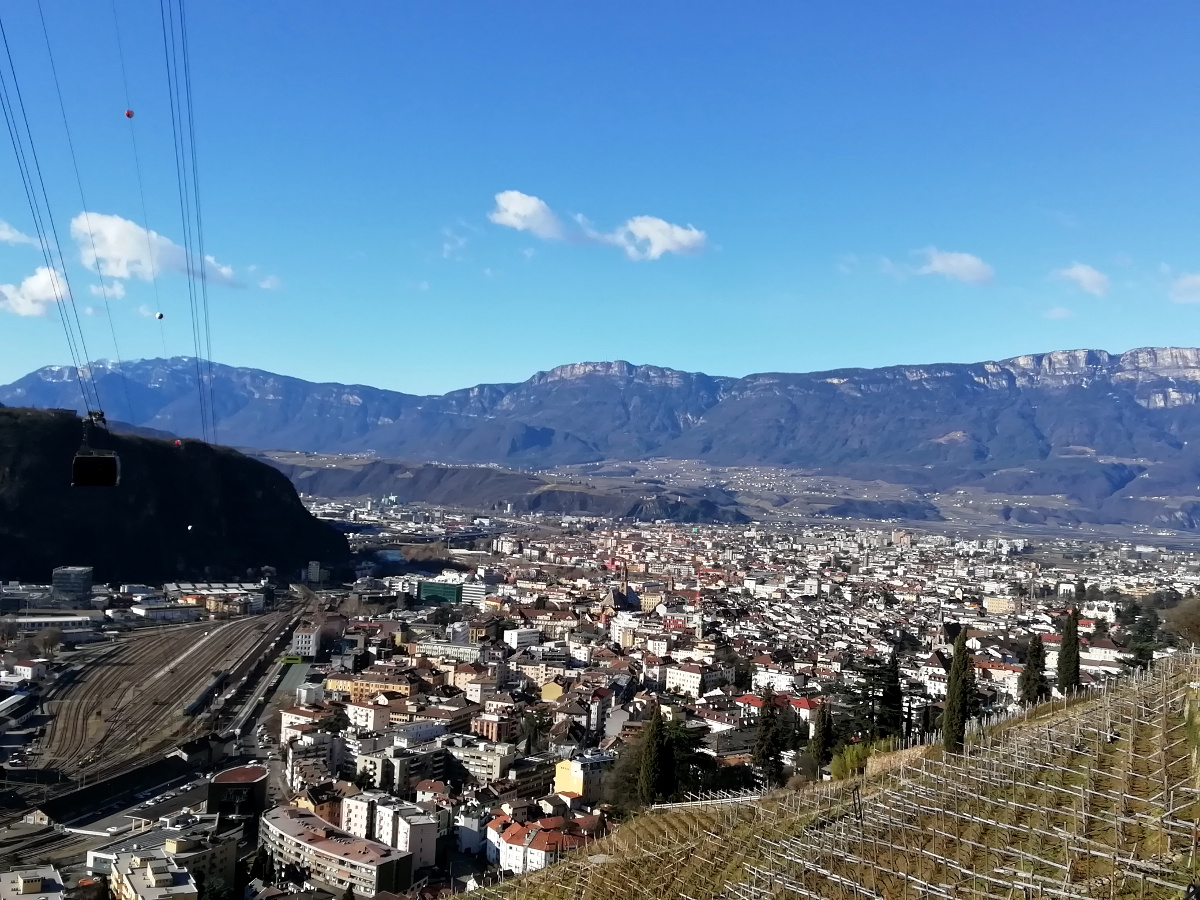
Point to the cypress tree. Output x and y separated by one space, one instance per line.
960 690
820 745
1068 656
768 742
928 723
889 718
650 770
668 764
1032 686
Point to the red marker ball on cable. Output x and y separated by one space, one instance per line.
129 113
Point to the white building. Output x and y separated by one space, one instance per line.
358 813
370 716
474 593
407 827
522 637
693 680
306 640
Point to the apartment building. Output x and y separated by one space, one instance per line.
408 828
150 875
306 640
398 770
694 680
335 858
478 761
583 775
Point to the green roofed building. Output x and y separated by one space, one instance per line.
439 592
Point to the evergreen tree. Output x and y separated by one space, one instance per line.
1080 590
668 771
797 735
768 743
1068 656
960 690
929 719
1033 686
820 745
889 716
650 770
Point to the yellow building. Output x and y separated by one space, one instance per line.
583 775
552 691
339 684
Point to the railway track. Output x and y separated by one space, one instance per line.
127 707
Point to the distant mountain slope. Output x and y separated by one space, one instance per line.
1108 430
1139 404
180 513
487 487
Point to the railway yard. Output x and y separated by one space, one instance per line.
126 704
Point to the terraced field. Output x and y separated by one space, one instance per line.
1096 801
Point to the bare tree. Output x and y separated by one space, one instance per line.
48 639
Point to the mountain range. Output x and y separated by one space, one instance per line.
1115 437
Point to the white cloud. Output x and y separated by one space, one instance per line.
846 263
1059 312
119 248
453 243
31 296
10 235
146 311
649 237
114 289
271 283
217 271
1089 279
1184 289
524 212
964 267
641 237
529 252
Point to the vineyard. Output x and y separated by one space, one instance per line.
1098 800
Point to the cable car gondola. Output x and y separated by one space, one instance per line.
92 467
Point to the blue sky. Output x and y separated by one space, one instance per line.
792 187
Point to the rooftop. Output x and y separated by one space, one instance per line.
242 774
314 832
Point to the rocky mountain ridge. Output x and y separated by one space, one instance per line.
1106 433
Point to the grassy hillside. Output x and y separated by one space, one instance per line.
1095 801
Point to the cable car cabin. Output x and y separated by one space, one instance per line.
95 469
